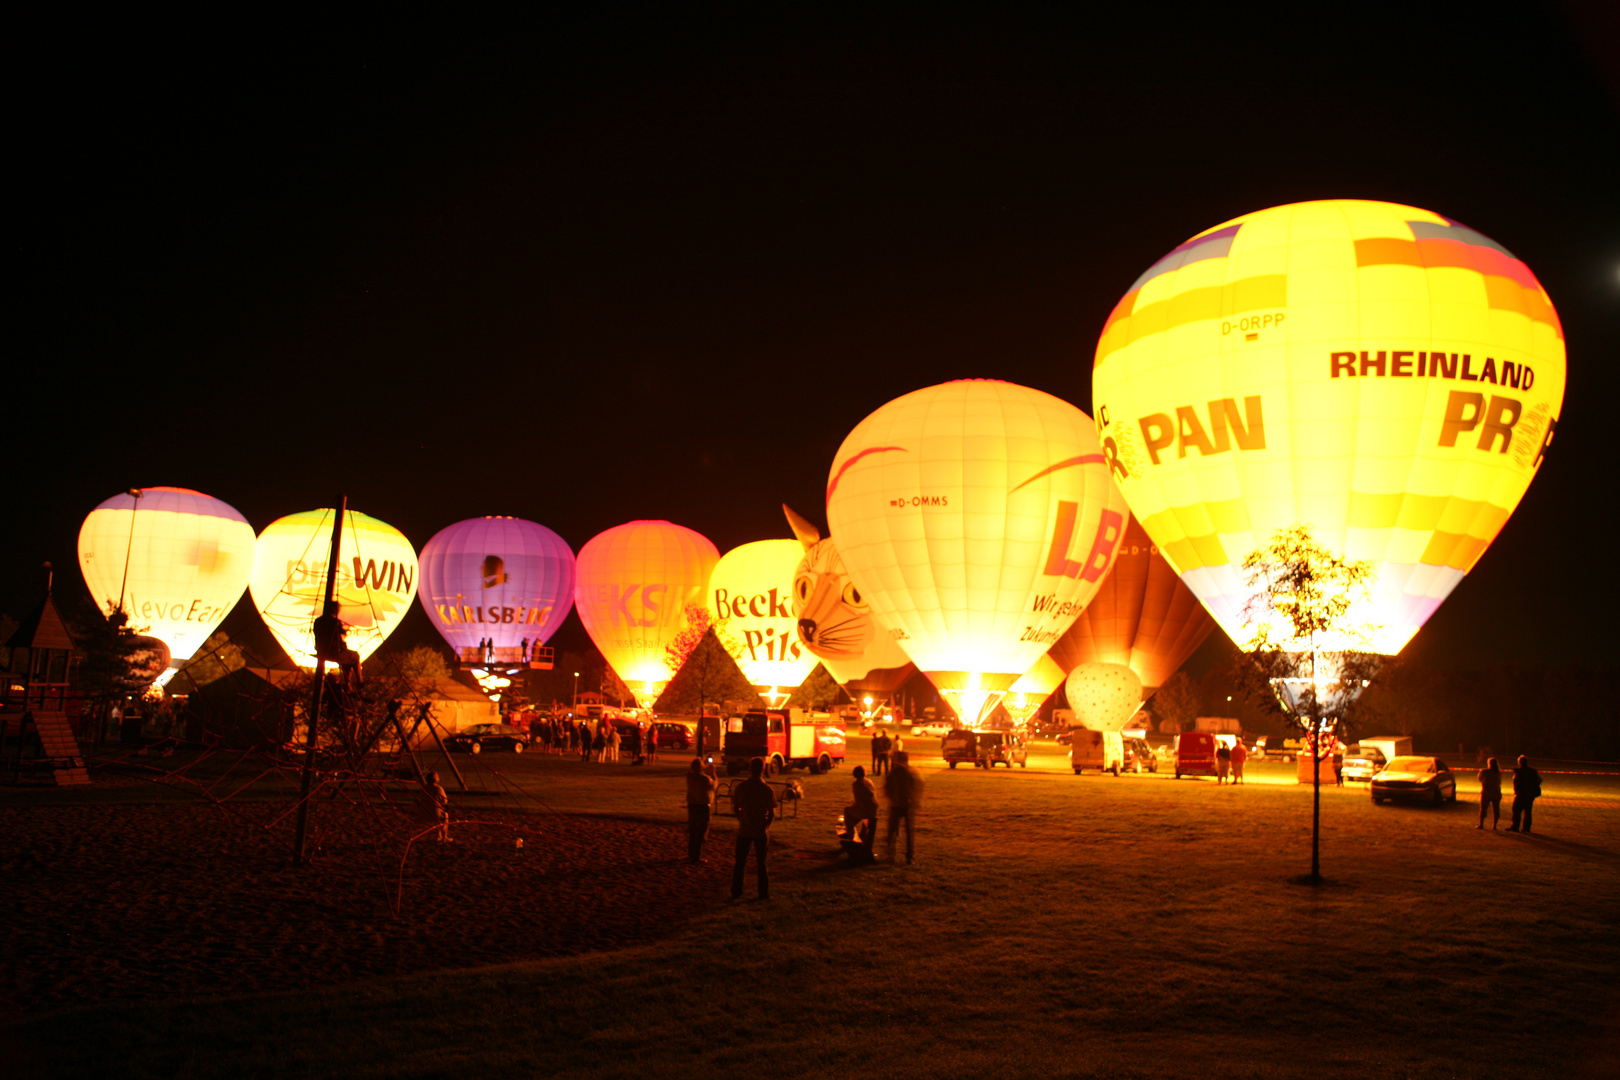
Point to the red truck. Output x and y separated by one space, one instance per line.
786 739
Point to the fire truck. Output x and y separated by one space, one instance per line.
786 738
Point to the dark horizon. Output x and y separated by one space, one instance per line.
588 271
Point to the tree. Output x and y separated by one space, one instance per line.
1308 647
424 662
1176 701
709 675
817 692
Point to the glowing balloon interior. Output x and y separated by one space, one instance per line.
1382 373
376 580
977 518
834 621
1142 616
1104 697
180 560
502 579
751 587
633 585
1032 689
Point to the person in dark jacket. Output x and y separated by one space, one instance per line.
881 745
755 806
904 789
1490 794
1526 790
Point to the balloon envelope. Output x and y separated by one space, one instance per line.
1142 616
834 621
977 518
376 580
751 587
1104 697
189 557
1032 689
633 585
498 578
1381 373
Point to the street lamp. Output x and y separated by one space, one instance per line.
574 704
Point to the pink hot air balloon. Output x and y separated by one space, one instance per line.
502 579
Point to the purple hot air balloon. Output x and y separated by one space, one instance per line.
497 578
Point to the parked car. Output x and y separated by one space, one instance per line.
675 736
1003 748
932 727
1414 778
1139 756
480 737
1361 762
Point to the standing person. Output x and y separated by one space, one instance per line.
652 742
433 807
1490 793
1240 754
523 650
599 743
700 785
880 753
613 738
755 804
1526 790
1223 762
904 790
585 741
863 811
635 746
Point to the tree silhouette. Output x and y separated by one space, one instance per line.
1309 647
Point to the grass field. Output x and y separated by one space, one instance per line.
1053 925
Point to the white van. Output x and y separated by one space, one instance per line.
1103 751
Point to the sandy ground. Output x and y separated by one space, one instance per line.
144 902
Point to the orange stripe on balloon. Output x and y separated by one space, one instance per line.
1083 459
832 485
1194 305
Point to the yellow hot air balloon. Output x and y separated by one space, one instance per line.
1381 373
376 580
177 560
633 585
1030 692
752 588
977 518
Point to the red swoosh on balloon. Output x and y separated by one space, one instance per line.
1083 459
832 485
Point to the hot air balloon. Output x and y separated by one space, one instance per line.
176 559
977 518
1383 374
1143 616
376 580
634 584
1033 687
835 622
1104 697
499 579
751 587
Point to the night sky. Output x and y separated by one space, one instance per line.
626 265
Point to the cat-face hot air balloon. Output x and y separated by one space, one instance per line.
501 579
977 518
376 580
179 559
1143 616
1381 373
834 621
633 585
751 588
